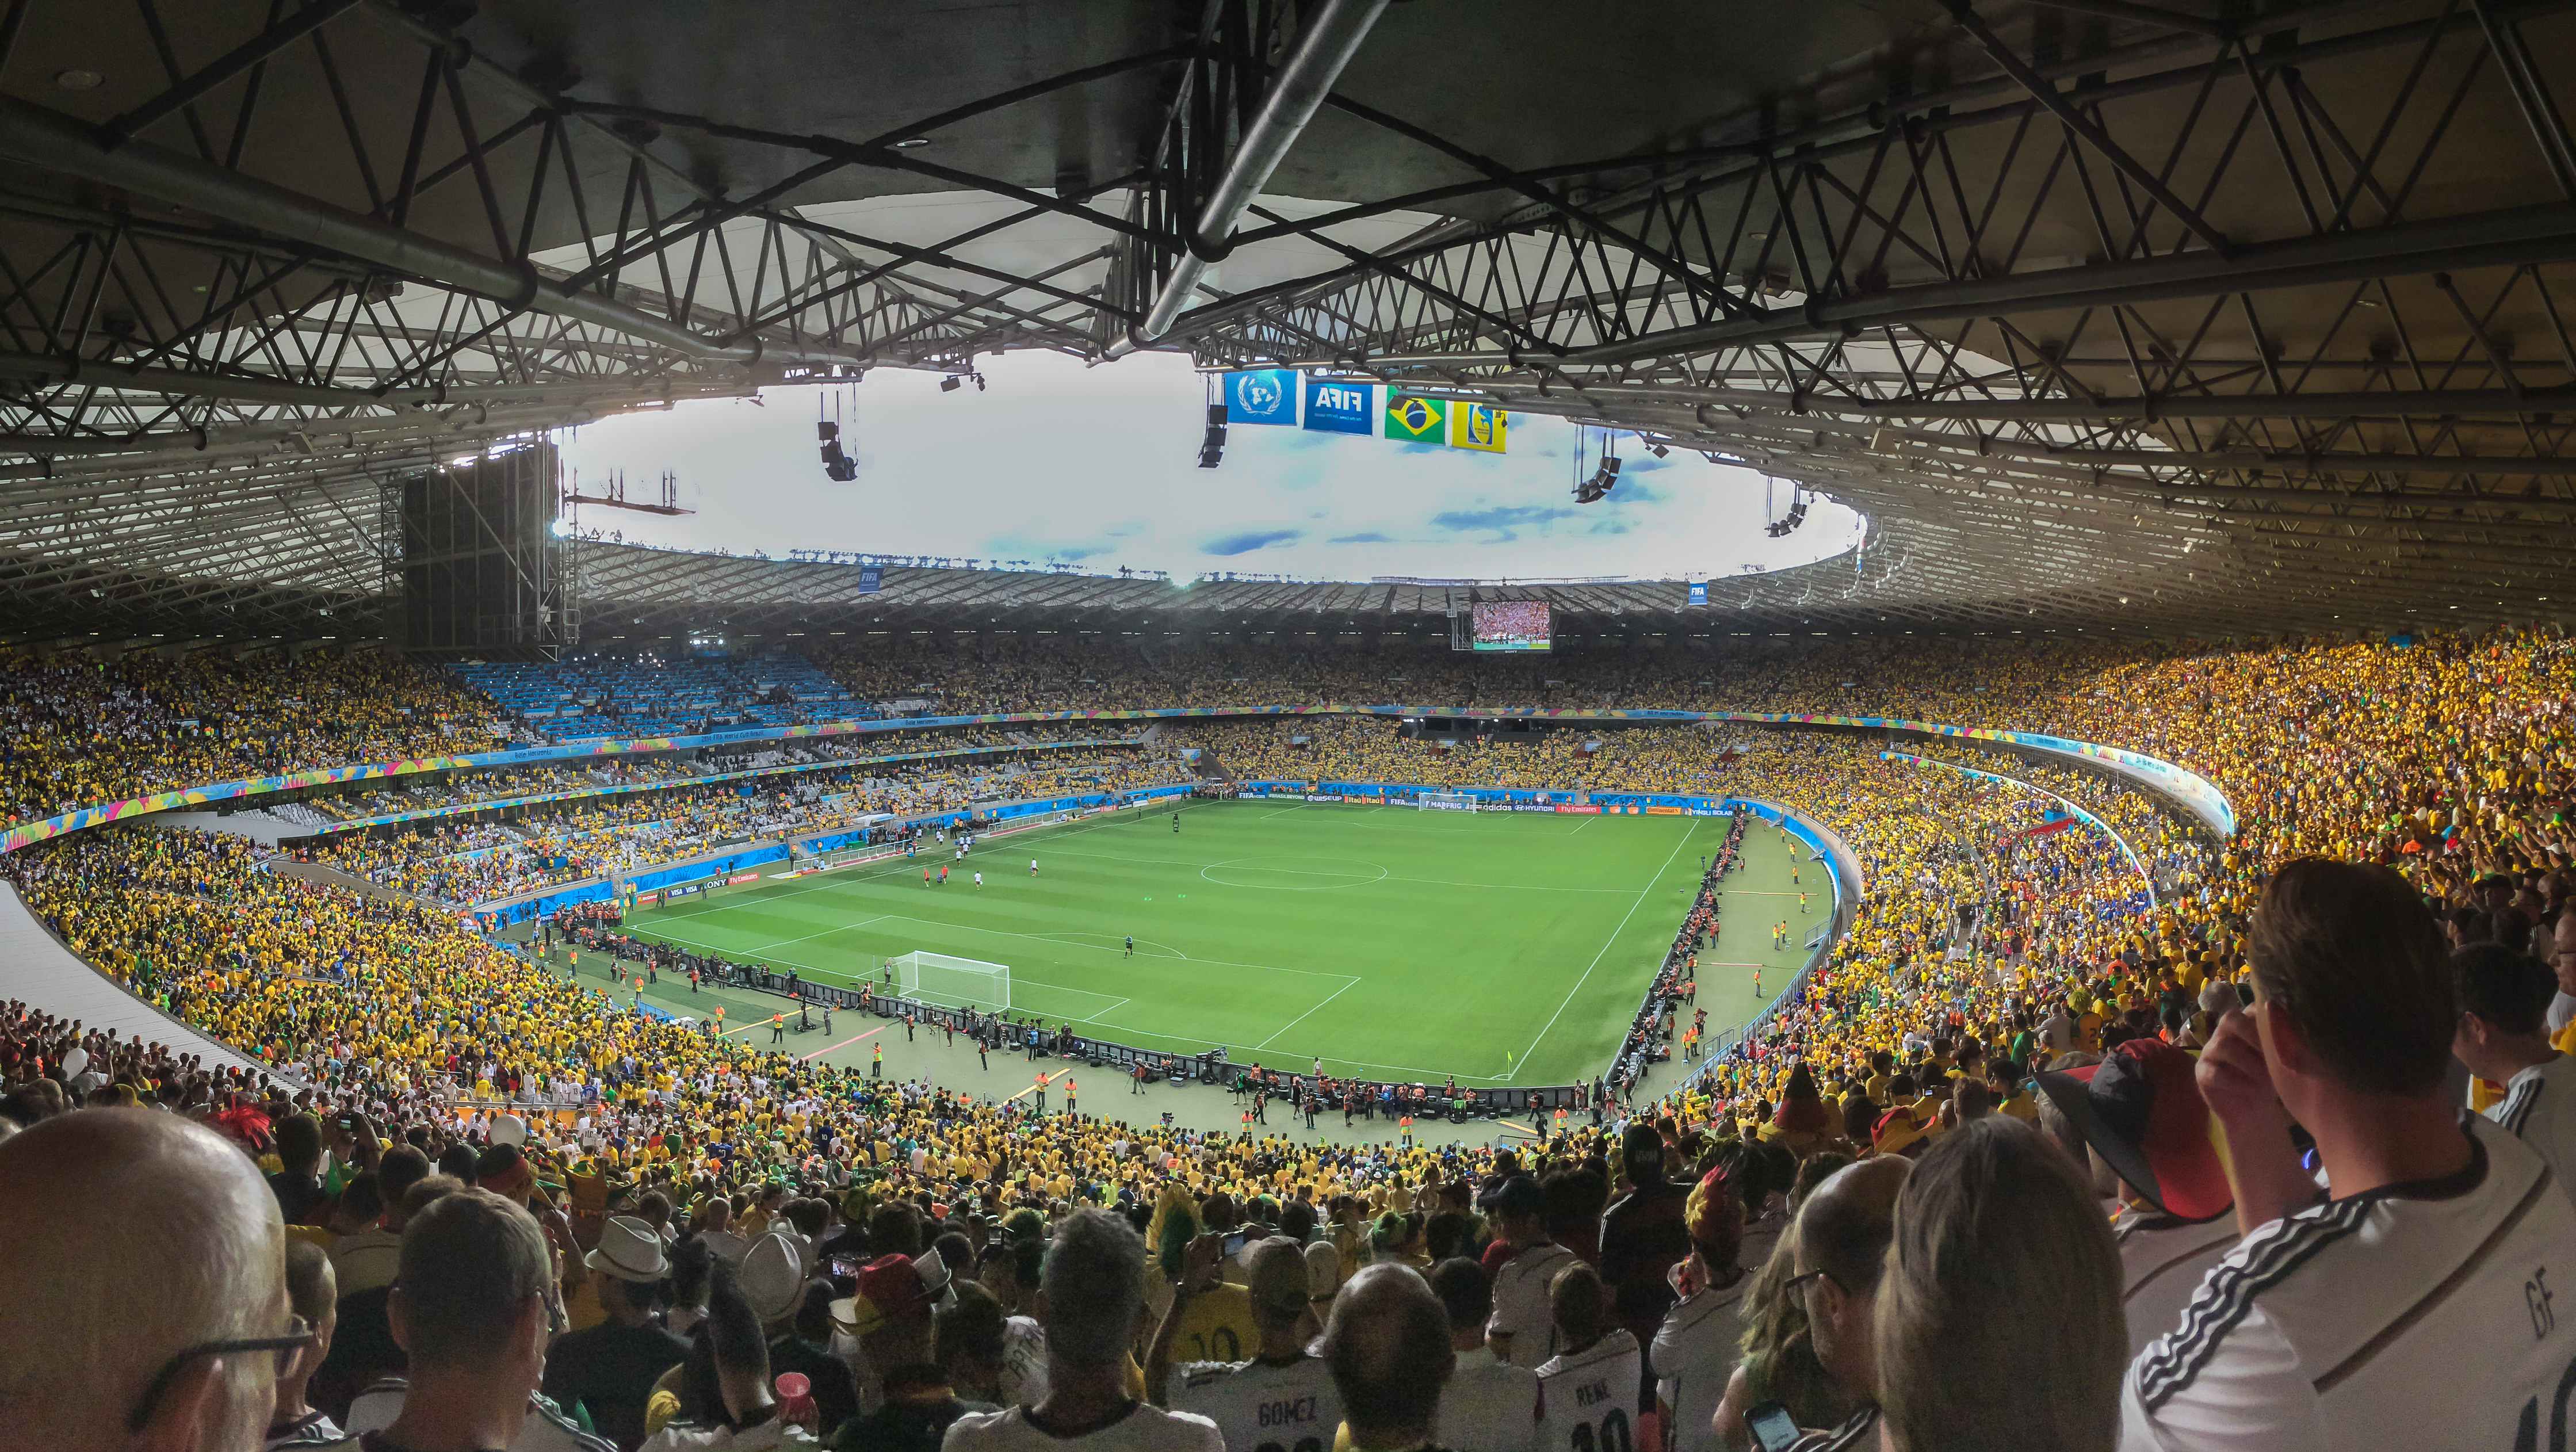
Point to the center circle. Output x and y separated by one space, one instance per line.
1294 874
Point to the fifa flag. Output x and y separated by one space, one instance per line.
1699 592
1476 426
1420 420
1337 407
1261 396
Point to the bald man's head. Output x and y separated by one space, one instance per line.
1843 1232
1388 1348
1844 1227
133 1237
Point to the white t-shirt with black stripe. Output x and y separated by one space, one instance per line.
2415 1315
546 1428
1587 1402
1520 1303
1696 1352
2162 1261
2539 1108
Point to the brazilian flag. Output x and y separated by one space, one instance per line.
1424 420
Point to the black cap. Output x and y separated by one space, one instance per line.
1519 1195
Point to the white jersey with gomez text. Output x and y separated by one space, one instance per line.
1262 1406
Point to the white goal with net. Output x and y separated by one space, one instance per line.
1446 802
937 978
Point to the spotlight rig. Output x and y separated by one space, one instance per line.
838 467
1605 477
1782 528
1212 447
949 384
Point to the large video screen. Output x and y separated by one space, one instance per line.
1511 625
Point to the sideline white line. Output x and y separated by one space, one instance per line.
1301 1018
1605 948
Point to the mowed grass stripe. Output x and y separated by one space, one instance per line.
1387 942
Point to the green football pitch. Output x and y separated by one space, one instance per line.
1503 948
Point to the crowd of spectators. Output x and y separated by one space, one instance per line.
76 730
639 820
912 1270
1880 1216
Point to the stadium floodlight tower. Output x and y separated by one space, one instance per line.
948 982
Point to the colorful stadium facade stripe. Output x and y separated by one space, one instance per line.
458 809
2146 879
2195 791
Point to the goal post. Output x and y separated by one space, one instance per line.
950 982
1446 802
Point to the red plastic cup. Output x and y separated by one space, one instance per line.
796 1398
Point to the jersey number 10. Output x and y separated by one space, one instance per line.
1613 1436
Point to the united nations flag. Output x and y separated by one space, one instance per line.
1261 396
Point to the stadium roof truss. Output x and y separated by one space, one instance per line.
2205 315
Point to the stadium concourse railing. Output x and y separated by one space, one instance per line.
713 778
2202 797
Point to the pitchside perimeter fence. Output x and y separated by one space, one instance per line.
1209 1066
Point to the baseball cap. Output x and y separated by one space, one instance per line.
1276 1272
1519 1195
2141 1111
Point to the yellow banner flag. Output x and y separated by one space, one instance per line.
1476 426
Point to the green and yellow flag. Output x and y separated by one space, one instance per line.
1476 426
1423 420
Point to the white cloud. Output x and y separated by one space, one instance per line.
1098 465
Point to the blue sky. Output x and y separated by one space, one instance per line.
1097 466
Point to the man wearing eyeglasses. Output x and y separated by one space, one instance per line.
118 1342
1843 1234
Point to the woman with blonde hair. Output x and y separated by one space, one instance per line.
1998 1324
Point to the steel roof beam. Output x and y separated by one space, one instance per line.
58 143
